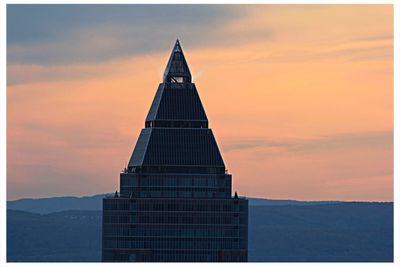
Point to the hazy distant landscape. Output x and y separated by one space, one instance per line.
68 229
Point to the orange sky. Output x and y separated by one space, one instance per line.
300 99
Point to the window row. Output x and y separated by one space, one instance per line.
174 205
181 180
179 232
175 169
171 192
174 243
177 219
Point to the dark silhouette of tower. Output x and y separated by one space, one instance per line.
175 202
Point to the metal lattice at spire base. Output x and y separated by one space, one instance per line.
175 202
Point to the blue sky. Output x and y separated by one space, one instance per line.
124 29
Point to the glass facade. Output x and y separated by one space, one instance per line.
173 229
175 202
176 185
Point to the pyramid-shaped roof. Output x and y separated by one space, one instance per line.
177 67
176 131
177 98
174 102
176 147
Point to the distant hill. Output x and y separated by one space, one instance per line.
55 204
67 236
344 232
283 202
340 232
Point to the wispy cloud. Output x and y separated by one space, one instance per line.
372 140
58 34
30 73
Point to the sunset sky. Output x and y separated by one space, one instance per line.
299 97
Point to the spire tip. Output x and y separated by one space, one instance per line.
177 70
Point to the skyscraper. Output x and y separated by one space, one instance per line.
175 202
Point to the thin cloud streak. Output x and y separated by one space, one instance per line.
373 140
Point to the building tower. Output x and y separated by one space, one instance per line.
175 202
